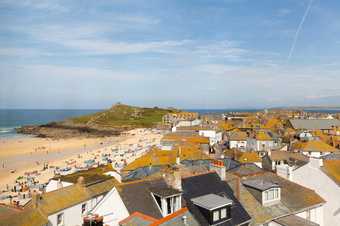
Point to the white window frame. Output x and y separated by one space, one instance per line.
216 215
62 222
223 213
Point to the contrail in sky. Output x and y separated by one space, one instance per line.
299 29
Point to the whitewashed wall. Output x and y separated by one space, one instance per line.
112 208
311 176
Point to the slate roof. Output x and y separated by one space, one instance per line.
211 201
210 183
137 197
248 169
137 218
293 220
332 156
261 185
294 197
176 219
314 124
164 191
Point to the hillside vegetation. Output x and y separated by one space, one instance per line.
124 116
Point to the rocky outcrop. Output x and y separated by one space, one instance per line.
61 130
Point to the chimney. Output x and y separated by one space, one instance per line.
237 187
81 181
59 184
178 157
174 180
35 199
219 168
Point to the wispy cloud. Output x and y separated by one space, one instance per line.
50 5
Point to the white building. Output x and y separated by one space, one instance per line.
213 135
313 175
237 140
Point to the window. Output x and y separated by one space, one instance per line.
83 208
158 200
223 213
271 194
168 202
216 215
60 219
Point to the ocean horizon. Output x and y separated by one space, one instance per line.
10 119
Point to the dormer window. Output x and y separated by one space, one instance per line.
215 208
167 199
266 192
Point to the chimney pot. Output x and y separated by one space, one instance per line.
81 181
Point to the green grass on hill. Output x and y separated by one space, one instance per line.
124 116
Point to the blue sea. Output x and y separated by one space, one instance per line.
11 119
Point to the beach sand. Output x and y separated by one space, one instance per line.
28 154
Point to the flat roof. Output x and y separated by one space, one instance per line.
211 201
261 185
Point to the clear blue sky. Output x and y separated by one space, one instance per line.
186 54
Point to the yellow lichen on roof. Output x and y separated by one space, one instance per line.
332 168
243 157
225 125
249 157
238 136
157 157
313 145
261 135
188 139
272 124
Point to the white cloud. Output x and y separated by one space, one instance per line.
51 5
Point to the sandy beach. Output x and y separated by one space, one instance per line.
27 154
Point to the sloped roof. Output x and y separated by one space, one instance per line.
287 155
137 218
238 136
314 124
91 176
137 197
293 220
243 156
211 183
262 135
313 146
332 168
294 198
55 201
158 157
